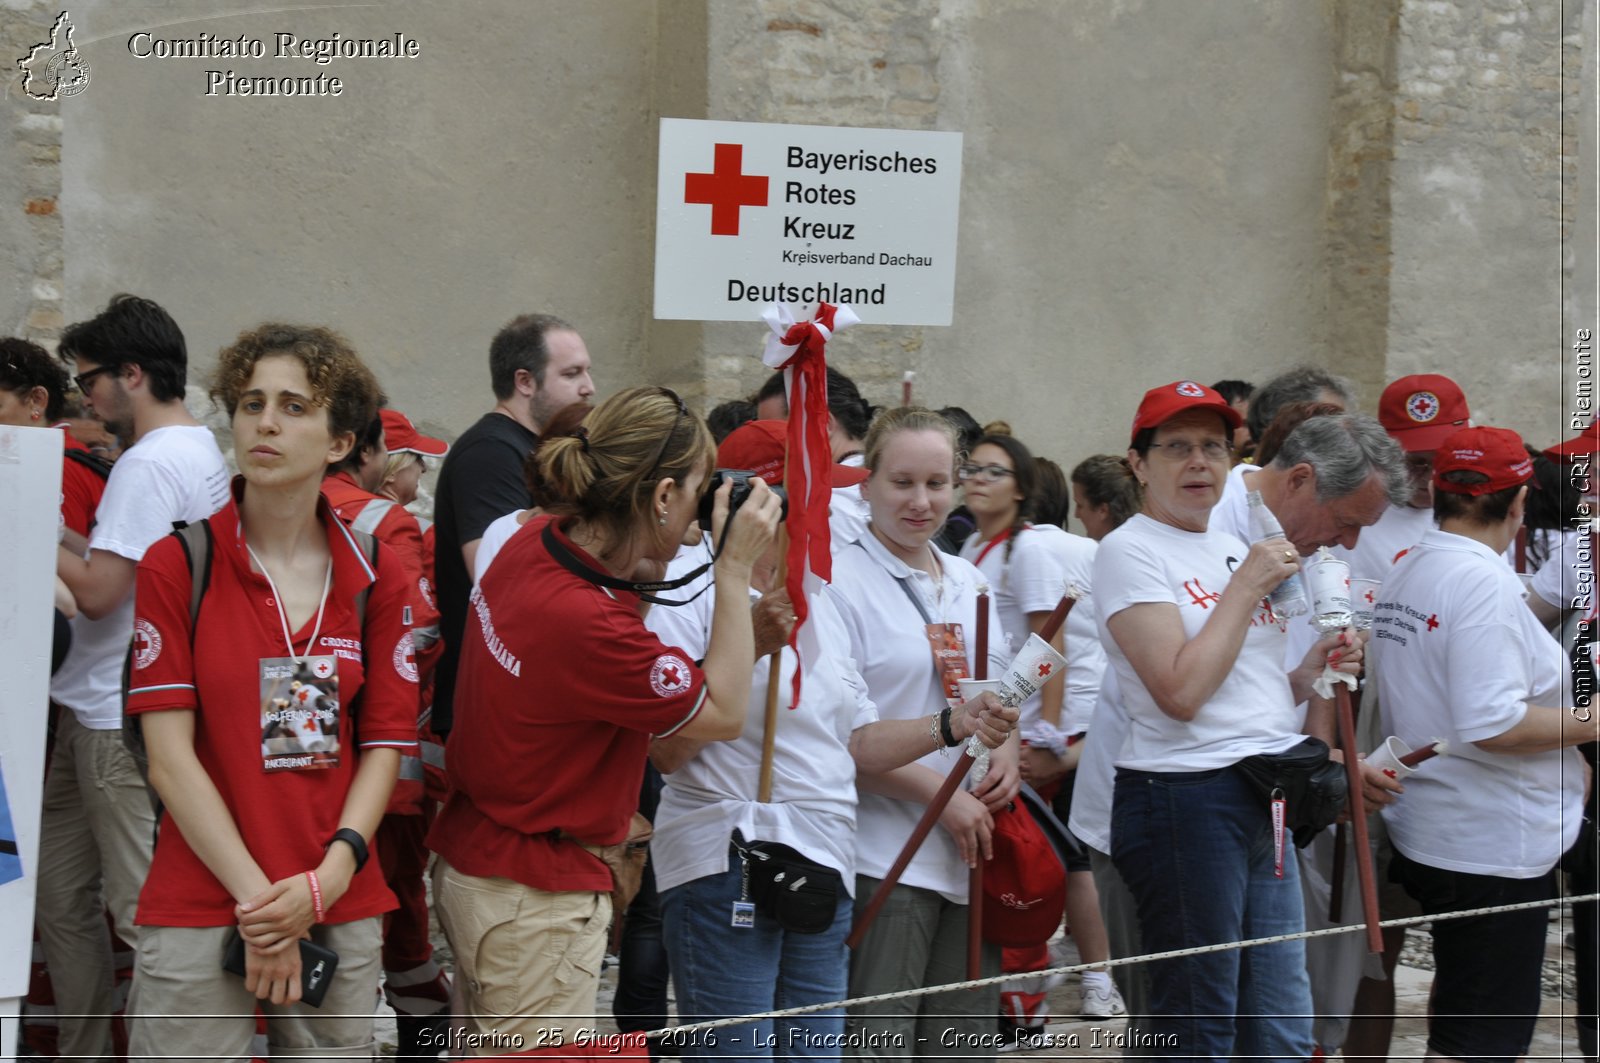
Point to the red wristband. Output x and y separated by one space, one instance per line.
316 894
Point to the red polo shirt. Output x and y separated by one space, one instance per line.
284 817
560 688
81 488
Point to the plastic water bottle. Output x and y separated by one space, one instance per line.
1289 597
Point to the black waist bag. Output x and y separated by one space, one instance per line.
801 894
1314 787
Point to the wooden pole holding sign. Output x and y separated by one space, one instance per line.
769 732
935 808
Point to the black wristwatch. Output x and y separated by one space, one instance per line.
355 841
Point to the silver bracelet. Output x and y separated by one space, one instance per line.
938 739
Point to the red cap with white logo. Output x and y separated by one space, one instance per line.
1162 404
1419 411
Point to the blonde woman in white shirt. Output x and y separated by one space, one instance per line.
893 590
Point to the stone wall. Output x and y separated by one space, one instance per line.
30 188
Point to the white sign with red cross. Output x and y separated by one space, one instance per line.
749 214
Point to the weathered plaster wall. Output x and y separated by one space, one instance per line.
1482 191
1153 188
502 171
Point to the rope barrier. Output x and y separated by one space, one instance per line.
980 983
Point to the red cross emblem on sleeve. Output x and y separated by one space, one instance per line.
726 189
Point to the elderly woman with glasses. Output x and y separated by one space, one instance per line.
558 695
1198 655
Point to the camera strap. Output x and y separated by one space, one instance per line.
569 561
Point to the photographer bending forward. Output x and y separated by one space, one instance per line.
560 689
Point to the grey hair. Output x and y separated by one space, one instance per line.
1304 383
1344 450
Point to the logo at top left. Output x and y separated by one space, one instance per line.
54 68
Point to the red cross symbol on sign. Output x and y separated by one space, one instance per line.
726 189
1044 669
1433 621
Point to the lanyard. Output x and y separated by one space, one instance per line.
992 543
283 616
904 583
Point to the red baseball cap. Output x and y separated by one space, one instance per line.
1498 453
1583 445
1162 404
758 446
1422 410
400 435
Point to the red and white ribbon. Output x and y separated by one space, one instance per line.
799 348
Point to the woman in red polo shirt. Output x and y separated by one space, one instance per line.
33 393
560 689
249 714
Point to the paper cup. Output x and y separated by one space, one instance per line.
1330 593
1386 758
971 688
1029 670
1363 600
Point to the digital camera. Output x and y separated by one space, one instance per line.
742 481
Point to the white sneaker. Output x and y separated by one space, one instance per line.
1102 1003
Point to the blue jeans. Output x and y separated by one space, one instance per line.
720 972
1195 848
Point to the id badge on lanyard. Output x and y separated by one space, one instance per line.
949 648
299 713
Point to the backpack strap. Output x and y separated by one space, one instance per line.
96 463
197 549
197 545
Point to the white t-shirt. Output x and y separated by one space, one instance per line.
1231 514
1253 710
172 474
848 513
1086 658
1559 579
888 642
813 806
496 535
1090 821
1025 579
1399 529
1459 656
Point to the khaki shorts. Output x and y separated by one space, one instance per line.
527 961
185 1006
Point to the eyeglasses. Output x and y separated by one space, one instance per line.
84 381
1180 449
984 474
666 440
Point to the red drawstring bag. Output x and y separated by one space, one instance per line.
1024 885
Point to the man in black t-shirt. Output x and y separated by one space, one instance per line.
537 365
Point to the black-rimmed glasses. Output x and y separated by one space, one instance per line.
84 381
986 474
